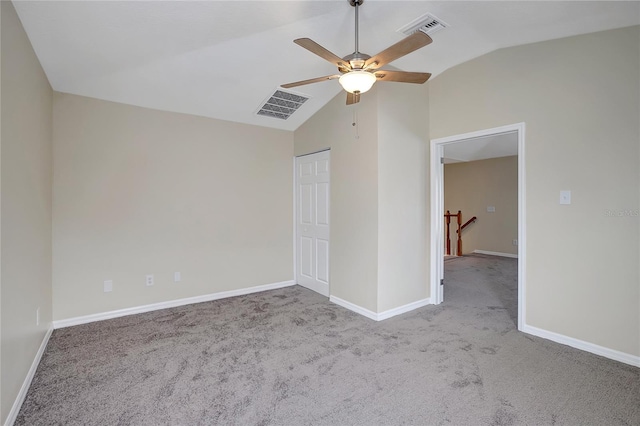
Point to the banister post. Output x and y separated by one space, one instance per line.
448 221
459 248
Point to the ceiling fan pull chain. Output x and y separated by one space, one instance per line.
355 120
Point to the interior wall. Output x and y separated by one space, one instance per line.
25 214
379 215
403 194
354 193
140 191
473 186
582 134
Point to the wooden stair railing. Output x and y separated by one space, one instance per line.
448 215
467 223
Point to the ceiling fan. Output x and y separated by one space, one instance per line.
359 71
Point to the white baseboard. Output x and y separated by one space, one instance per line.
169 304
382 315
496 253
404 309
585 346
15 409
353 307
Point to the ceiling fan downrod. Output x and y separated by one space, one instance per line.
356 3
356 59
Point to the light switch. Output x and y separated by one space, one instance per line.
565 197
491 209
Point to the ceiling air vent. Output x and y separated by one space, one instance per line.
282 104
428 24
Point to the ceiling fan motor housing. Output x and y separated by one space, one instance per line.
356 60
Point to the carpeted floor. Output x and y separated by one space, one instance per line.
290 357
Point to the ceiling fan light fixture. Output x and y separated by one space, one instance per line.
359 70
357 81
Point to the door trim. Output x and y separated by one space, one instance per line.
295 221
437 211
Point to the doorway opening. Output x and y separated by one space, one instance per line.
452 144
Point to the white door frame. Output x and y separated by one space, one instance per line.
437 211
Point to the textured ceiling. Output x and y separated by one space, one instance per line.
222 59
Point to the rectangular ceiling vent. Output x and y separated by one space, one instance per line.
428 24
281 104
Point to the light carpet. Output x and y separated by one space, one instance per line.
290 357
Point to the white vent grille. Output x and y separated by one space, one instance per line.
428 24
281 104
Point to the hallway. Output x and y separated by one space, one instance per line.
483 281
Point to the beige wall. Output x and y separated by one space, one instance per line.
354 193
140 191
582 134
473 186
26 169
403 213
379 216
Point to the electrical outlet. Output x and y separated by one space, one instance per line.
108 286
38 316
177 277
149 280
514 242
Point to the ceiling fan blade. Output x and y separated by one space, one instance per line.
353 98
414 42
314 47
311 80
402 76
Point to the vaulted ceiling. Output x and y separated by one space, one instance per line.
223 59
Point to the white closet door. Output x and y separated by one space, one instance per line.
312 221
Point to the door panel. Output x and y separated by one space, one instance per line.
312 221
322 207
306 257
306 169
322 167
322 261
306 204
